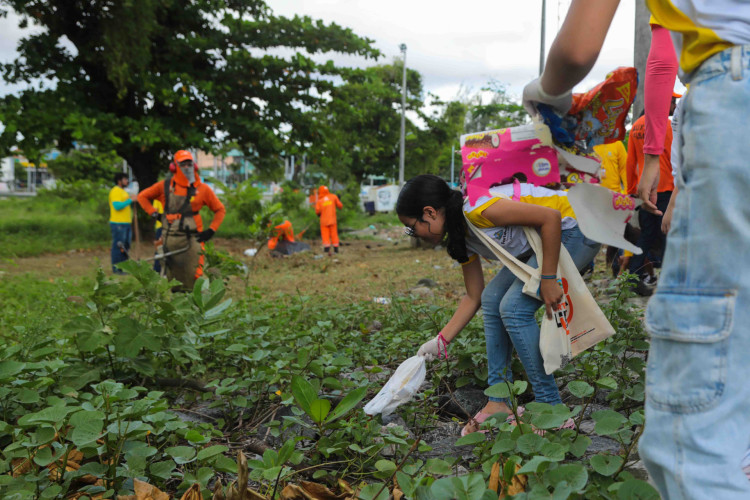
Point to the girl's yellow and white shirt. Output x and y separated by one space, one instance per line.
702 28
512 238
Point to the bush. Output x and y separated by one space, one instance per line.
85 164
244 200
292 198
92 193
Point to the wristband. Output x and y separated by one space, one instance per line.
549 276
442 342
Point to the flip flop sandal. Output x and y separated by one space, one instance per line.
512 418
481 417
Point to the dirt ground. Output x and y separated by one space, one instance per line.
363 269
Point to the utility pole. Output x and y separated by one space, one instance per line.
641 48
453 164
402 149
542 43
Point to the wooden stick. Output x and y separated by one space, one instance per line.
137 232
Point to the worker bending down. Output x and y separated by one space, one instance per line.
284 232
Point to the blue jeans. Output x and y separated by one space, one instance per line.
698 374
121 233
509 322
157 236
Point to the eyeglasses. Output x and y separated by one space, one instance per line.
409 230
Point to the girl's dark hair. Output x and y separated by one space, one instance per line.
119 176
432 191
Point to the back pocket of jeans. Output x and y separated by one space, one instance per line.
687 365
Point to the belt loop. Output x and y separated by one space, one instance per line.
736 62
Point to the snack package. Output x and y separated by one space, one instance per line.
557 151
496 157
597 116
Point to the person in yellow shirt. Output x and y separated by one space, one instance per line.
120 217
614 166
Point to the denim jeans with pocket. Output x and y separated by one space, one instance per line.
509 322
698 376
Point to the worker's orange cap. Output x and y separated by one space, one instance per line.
183 155
676 95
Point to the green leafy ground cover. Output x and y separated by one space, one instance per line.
109 368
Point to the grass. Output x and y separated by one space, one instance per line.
33 226
51 224
306 220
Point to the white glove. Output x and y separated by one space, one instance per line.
534 94
434 348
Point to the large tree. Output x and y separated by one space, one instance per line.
492 108
146 77
360 126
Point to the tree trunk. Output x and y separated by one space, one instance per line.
147 166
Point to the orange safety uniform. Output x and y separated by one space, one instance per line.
178 188
284 232
325 208
636 160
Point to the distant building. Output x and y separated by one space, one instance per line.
34 178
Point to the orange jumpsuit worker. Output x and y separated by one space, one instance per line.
183 195
325 208
284 232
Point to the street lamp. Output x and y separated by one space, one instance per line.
403 121
541 44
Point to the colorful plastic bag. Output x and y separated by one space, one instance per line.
597 116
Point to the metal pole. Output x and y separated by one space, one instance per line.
544 28
402 149
453 163
642 45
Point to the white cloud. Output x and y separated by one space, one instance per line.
454 44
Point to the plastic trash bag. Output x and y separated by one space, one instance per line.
400 388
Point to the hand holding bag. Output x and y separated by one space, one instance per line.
578 323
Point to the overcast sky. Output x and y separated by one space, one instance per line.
465 43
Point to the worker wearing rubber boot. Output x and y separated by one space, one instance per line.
325 208
183 195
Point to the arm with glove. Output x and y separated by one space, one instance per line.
217 207
437 347
572 55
